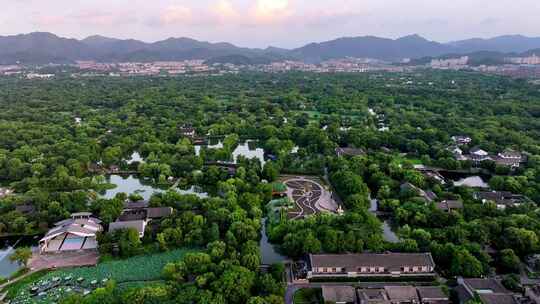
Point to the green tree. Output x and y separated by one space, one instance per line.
509 261
21 256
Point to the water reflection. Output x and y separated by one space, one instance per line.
269 254
196 190
7 268
247 149
132 184
388 234
129 184
373 205
472 181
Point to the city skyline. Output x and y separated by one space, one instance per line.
262 23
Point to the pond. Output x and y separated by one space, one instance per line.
269 255
129 184
247 149
7 268
388 235
133 184
472 181
196 190
7 248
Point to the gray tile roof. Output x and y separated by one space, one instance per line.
377 295
498 298
137 205
133 215
402 293
159 212
431 293
390 261
450 205
339 294
485 284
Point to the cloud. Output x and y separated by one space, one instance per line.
270 6
224 11
332 18
49 20
228 13
490 21
90 18
103 19
176 14
271 11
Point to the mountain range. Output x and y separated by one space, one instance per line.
42 47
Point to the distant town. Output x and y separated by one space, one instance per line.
520 67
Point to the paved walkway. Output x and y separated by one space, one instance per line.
63 260
309 196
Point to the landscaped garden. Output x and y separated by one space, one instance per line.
57 284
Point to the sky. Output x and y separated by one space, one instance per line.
280 23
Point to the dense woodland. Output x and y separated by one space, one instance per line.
47 158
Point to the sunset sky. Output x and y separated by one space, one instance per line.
281 23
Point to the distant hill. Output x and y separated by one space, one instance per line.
503 44
532 52
39 47
412 46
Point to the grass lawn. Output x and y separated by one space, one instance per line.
127 273
308 296
402 159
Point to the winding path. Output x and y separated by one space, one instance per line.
309 196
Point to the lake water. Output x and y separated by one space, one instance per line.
472 181
7 268
269 254
129 184
198 191
132 184
247 149
389 235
